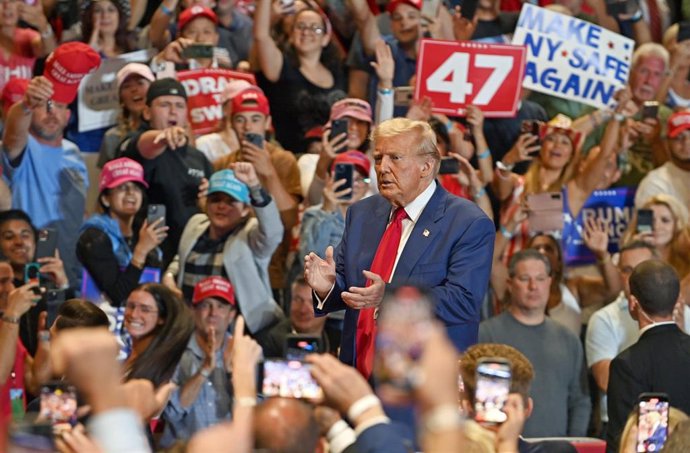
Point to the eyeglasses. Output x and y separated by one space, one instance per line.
316 29
144 309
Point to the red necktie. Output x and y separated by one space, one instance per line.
383 263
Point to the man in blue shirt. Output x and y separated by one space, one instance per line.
46 173
204 396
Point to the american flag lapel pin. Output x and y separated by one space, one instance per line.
425 233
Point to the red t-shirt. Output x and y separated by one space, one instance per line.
20 63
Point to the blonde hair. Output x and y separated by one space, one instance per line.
426 138
679 256
675 416
650 49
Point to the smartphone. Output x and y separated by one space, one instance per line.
645 220
339 127
683 32
297 346
347 172
59 406
31 435
492 389
46 243
652 422
545 212
468 9
32 273
54 299
449 166
650 109
289 379
155 212
255 139
197 51
402 96
531 127
404 324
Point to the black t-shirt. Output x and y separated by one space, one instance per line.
173 178
504 24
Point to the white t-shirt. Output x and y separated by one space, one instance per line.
213 146
668 179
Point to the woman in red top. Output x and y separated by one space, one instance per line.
19 47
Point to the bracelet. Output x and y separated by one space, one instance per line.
167 11
361 406
245 401
25 108
11 319
443 418
480 193
506 234
619 117
603 260
136 263
449 126
385 91
486 153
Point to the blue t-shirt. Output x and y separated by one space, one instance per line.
50 183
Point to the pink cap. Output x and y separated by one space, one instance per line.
214 286
250 99
120 171
131 69
677 123
353 108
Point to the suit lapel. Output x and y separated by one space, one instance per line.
423 234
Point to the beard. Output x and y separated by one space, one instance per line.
45 134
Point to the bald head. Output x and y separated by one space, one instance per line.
285 425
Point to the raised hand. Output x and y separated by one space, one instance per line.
320 273
244 171
596 237
384 64
173 137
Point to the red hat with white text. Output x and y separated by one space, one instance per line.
677 123
194 12
251 99
214 286
66 66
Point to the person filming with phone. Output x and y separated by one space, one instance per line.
113 251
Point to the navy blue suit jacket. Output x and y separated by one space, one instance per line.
449 252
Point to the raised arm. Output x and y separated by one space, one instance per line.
366 25
159 35
269 56
14 139
153 143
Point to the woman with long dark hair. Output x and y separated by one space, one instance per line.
104 27
159 324
310 67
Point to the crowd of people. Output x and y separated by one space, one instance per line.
321 213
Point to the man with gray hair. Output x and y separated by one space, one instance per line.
561 404
412 233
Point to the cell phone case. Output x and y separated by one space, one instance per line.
545 212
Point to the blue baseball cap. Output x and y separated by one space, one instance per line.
226 182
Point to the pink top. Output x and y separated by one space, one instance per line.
20 63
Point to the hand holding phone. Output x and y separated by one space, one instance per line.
339 127
346 172
297 346
197 51
545 212
155 212
652 422
449 166
650 109
288 379
492 388
46 243
645 221
59 405
255 139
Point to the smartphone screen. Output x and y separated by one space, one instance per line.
155 212
492 389
402 96
449 166
59 405
645 220
298 346
197 51
46 243
32 273
650 109
289 379
652 422
346 172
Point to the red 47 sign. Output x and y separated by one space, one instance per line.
456 74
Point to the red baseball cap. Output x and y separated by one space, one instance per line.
120 171
677 123
357 158
394 4
353 108
66 66
250 99
12 93
194 12
214 286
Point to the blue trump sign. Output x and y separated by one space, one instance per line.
571 58
614 206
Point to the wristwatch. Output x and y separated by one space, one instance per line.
505 167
